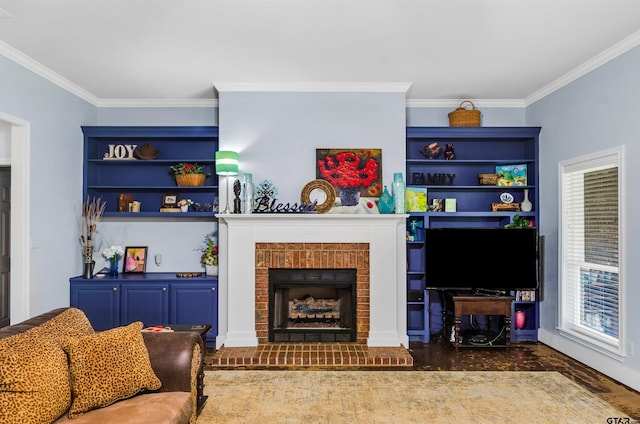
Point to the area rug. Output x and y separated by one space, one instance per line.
399 397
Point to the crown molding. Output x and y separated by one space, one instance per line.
46 73
157 103
597 61
313 87
496 103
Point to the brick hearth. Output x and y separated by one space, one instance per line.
310 356
306 256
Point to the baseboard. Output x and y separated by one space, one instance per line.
608 366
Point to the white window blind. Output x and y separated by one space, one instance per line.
590 286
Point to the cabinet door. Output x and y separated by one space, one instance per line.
99 302
196 303
146 302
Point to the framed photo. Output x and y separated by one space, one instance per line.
170 200
135 259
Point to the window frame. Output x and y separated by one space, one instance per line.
567 325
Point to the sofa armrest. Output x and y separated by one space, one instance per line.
171 356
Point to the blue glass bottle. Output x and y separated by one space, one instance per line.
398 189
385 204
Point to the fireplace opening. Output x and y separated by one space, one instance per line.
312 305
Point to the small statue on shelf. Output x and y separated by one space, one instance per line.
449 153
236 201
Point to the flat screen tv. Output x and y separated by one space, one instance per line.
481 259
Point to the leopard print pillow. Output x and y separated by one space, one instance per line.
71 322
34 380
108 366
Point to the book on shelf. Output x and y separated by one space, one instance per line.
525 296
170 210
512 175
416 199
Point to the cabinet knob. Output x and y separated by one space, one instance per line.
213 289
115 289
164 289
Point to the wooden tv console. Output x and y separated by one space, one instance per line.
482 305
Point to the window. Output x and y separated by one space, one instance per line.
591 284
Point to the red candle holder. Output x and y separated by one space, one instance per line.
520 319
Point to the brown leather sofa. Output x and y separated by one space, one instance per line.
175 357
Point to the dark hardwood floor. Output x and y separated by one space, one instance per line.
441 356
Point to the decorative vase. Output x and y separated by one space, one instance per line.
349 196
88 269
113 266
211 269
385 205
398 192
184 208
520 319
247 193
526 205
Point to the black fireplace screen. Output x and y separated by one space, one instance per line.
312 305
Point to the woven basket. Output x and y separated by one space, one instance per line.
462 117
190 179
488 179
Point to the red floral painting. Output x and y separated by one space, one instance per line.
351 168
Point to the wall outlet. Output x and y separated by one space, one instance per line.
158 259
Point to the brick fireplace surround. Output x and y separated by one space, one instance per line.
312 255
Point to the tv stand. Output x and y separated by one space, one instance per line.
481 305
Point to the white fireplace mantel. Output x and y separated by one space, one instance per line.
385 234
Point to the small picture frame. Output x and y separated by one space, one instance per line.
170 200
135 259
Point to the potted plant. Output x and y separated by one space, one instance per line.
113 255
189 174
209 257
184 204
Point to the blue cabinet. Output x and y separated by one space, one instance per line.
195 303
147 302
100 302
478 150
148 180
153 298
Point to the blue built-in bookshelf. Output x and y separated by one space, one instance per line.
478 150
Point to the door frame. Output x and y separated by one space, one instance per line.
19 160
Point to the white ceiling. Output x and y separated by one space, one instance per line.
172 51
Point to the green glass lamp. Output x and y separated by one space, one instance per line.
227 165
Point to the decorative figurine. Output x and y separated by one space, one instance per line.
236 202
432 151
449 153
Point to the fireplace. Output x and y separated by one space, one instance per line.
312 305
253 244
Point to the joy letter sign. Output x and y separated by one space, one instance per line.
120 151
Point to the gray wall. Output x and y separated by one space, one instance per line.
598 111
276 134
55 175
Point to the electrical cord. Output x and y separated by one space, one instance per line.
490 342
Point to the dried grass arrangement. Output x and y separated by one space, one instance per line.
92 210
